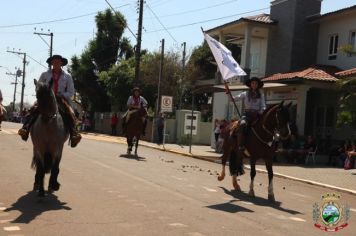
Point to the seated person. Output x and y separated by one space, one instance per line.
350 157
309 146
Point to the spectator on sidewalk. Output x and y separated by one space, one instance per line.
309 146
216 130
114 121
350 157
293 149
160 128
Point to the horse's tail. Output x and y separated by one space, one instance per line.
47 162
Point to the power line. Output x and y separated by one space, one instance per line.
164 28
198 9
204 21
53 21
120 18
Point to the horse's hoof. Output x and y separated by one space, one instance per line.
251 193
271 198
36 187
53 187
221 177
41 194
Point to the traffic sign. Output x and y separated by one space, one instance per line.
166 104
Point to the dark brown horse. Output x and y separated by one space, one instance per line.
48 136
273 123
134 129
2 114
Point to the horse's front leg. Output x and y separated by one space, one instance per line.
270 181
129 145
222 174
39 178
53 184
252 175
136 145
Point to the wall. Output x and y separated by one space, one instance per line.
341 25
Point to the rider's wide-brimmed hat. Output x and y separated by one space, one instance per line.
260 83
136 89
64 60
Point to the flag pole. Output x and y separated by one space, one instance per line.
228 89
232 98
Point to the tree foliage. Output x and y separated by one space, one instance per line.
102 53
347 108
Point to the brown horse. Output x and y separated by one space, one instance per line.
2 114
273 123
134 128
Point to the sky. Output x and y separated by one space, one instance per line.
72 23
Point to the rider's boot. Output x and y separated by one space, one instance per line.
30 119
144 127
70 120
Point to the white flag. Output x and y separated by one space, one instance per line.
227 65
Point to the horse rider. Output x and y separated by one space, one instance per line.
63 88
254 104
135 102
1 108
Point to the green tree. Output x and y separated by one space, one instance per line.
102 53
347 108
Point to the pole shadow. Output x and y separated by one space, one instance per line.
31 206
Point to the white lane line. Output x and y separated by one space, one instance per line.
178 225
5 221
300 195
195 234
209 189
247 203
6 132
2 208
352 209
12 228
297 219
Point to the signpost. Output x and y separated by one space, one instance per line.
166 106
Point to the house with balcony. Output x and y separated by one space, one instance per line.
298 50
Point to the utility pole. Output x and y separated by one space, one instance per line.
23 75
138 45
183 75
160 78
51 42
18 73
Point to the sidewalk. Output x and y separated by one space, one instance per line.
324 176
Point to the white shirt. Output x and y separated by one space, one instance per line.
65 83
142 100
257 104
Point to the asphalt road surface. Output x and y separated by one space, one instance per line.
105 192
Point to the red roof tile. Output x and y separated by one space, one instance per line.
346 73
311 73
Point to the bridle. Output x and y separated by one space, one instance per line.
275 134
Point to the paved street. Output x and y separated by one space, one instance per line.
106 192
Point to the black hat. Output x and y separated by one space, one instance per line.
136 89
64 60
260 83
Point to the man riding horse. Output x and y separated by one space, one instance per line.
63 88
254 104
134 103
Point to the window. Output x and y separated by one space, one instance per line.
333 45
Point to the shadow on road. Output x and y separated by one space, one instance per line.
133 157
31 206
259 201
229 207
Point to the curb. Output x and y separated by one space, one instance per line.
211 159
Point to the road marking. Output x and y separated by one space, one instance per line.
247 203
12 228
297 219
195 234
178 225
209 189
300 195
2 208
352 209
5 221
